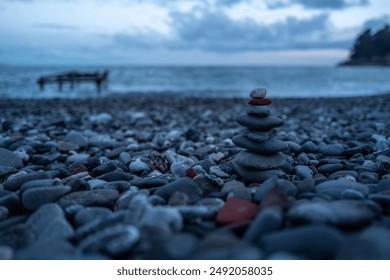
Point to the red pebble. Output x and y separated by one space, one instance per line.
236 210
259 101
273 197
190 172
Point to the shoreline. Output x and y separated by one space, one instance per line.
154 174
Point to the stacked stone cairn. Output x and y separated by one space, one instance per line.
262 156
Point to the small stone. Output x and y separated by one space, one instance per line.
273 197
147 183
258 93
179 168
11 201
192 212
88 214
259 161
16 182
76 138
212 204
370 244
332 149
99 197
162 220
3 213
216 170
179 247
48 250
334 188
257 176
185 185
191 173
261 111
10 159
267 220
101 118
138 166
313 242
259 136
66 146
236 210
303 172
33 198
309 147
330 168
225 246
6 253
49 223
271 146
351 194
343 213
259 101
125 158
77 157
205 184
231 185
287 187
342 174
259 124
7 170
366 177
306 186
384 185
116 240
179 198
76 168
17 236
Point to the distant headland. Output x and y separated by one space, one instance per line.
370 49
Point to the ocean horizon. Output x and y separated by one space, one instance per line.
201 81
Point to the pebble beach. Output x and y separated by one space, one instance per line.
155 177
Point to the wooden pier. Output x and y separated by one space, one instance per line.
74 78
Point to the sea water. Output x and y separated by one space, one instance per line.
219 81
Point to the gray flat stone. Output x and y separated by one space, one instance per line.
256 176
99 197
343 213
262 111
314 241
271 146
186 185
258 93
259 136
33 198
49 223
10 159
334 188
16 182
259 124
260 161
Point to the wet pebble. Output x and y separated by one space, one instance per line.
334 188
99 197
313 241
185 185
10 159
33 198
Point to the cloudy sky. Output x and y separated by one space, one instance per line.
184 32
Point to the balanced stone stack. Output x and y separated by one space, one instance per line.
262 156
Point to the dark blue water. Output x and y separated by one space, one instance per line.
20 82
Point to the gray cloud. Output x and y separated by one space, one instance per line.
317 4
215 31
377 23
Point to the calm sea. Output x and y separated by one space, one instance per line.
20 82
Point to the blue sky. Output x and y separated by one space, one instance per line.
184 32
